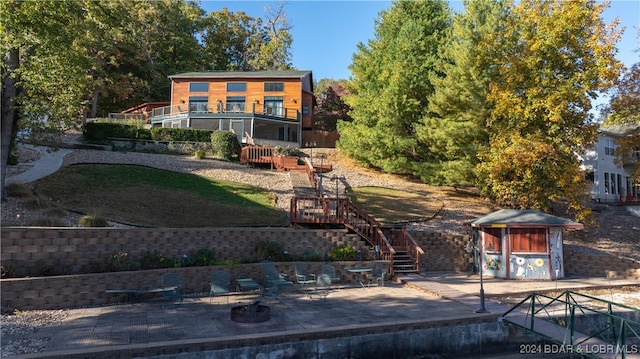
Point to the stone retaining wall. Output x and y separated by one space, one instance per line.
75 250
33 251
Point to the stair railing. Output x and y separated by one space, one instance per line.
413 249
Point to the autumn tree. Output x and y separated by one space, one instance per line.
624 110
271 49
390 89
553 58
330 105
454 130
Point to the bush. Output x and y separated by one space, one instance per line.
225 145
92 220
165 134
119 262
199 257
272 251
343 253
200 154
156 260
99 131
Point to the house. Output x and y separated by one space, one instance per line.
521 244
609 180
267 107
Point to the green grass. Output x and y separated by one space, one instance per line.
388 205
156 198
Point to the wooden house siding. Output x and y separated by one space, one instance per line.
293 99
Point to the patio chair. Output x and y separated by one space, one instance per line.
273 279
378 273
323 286
303 278
171 286
330 271
219 284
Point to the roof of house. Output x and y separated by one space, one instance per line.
523 218
619 130
243 74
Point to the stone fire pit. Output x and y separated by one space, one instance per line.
252 313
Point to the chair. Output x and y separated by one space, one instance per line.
171 286
378 273
330 271
323 286
302 276
219 284
274 279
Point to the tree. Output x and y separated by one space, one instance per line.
272 50
553 57
37 63
454 130
330 105
390 88
227 39
624 110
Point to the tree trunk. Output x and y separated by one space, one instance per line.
11 60
94 105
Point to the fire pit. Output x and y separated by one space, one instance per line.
252 313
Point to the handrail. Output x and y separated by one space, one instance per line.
413 249
614 334
341 211
219 108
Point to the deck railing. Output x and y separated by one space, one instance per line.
213 108
331 210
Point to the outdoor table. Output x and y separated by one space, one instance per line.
361 271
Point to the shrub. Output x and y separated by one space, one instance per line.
272 251
200 154
120 261
165 134
312 256
99 131
343 252
156 260
199 257
225 145
92 220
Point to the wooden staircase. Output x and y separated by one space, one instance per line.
407 252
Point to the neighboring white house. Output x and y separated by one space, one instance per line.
609 181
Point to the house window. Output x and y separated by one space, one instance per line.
198 87
198 103
492 238
274 105
606 182
528 240
235 104
590 177
609 147
273 86
236 86
305 109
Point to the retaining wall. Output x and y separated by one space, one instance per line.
29 251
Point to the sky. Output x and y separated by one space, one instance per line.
326 33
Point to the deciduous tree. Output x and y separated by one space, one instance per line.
553 58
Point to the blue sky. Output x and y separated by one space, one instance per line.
326 33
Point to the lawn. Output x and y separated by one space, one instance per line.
394 206
150 197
